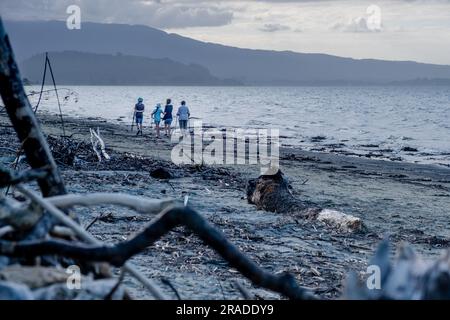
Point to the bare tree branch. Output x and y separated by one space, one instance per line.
166 221
24 121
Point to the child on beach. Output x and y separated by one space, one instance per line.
156 115
139 114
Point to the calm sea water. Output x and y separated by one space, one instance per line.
349 118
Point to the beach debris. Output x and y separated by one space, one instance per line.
273 193
98 143
318 138
409 278
161 173
33 276
339 220
409 149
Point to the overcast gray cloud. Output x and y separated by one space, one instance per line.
359 24
273 27
160 14
410 29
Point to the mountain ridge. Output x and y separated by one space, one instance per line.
249 66
82 68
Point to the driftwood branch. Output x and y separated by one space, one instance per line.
84 235
139 204
97 142
24 120
166 221
9 177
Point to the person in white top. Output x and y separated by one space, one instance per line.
183 115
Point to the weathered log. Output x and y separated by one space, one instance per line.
24 120
272 193
169 219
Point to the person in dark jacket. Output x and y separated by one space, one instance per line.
168 117
139 115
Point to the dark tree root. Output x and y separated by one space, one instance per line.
118 254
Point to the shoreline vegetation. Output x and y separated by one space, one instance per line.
403 201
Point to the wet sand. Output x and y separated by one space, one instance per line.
407 202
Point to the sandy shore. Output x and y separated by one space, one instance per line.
408 202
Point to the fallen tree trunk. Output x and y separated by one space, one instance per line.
272 193
24 121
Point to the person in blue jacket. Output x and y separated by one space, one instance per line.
156 115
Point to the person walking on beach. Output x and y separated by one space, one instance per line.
183 115
139 115
156 115
168 109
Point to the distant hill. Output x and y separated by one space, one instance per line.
259 67
78 68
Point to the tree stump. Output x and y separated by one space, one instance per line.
272 193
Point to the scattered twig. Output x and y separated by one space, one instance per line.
117 285
242 290
93 222
304 182
171 286
221 289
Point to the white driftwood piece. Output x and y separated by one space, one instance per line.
101 143
339 220
94 143
98 143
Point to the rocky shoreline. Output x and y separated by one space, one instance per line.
407 202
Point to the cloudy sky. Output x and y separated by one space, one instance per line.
396 30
